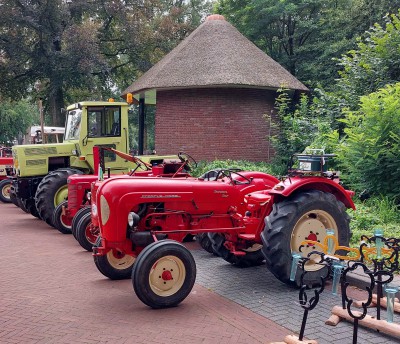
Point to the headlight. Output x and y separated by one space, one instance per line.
94 209
133 219
105 210
89 196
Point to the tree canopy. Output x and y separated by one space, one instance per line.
62 50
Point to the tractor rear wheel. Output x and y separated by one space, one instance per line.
115 265
205 242
51 191
79 214
86 234
252 257
164 274
61 222
306 215
5 186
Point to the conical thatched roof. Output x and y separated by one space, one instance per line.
215 54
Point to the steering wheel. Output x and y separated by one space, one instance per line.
228 173
187 160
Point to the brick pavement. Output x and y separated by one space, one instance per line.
51 292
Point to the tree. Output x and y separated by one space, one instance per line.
74 48
16 118
305 36
373 64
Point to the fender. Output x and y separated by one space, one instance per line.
290 185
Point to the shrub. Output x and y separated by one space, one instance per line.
370 153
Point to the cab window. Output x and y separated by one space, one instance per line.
104 121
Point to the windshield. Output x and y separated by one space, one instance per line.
73 124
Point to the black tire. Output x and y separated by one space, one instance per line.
5 186
13 197
21 204
205 242
169 258
113 267
79 214
251 258
29 205
48 191
289 223
85 234
60 223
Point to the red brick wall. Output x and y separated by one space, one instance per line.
213 124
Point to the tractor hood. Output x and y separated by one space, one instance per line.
33 160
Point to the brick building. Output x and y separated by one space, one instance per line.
212 94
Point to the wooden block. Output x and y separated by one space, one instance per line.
380 325
333 320
384 302
292 339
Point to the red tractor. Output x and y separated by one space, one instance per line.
6 165
249 217
73 215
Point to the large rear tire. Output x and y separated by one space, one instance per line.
205 242
164 274
86 234
61 222
115 265
51 191
5 186
305 215
253 255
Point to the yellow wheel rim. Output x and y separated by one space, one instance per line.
120 261
61 195
311 226
167 276
5 191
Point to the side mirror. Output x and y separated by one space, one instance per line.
63 112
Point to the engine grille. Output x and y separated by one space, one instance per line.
40 151
36 162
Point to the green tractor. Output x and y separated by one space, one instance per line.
41 171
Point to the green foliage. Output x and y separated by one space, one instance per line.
68 51
370 153
372 65
300 125
16 117
377 212
306 36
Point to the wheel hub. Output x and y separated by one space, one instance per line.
167 276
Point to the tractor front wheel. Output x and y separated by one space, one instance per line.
86 234
61 222
305 216
51 191
252 257
115 265
29 205
79 214
5 186
164 274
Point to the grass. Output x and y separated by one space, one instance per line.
376 212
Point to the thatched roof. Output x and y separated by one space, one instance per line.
216 54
